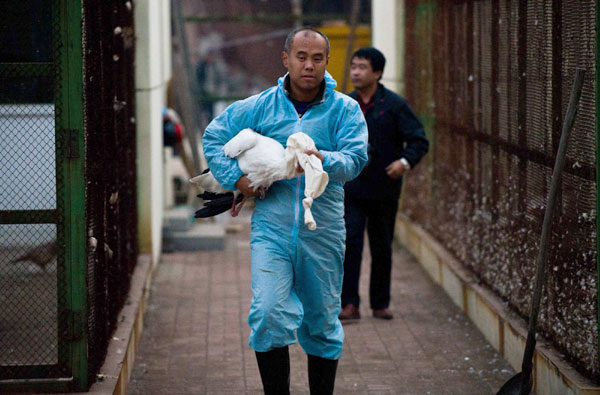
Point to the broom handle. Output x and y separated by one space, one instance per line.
542 257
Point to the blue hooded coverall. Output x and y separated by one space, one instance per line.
296 273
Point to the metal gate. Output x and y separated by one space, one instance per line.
42 218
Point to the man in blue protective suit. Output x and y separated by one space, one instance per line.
296 273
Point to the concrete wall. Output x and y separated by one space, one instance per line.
387 25
152 73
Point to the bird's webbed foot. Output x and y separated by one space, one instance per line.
236 208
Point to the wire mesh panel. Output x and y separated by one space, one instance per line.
111 208
32 282
501 74
51 327
28 295
28 176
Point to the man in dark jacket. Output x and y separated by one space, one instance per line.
396 144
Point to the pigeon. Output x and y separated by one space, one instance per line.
263 160
41 254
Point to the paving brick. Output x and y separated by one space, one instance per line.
195 338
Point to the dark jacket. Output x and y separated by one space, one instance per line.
394 133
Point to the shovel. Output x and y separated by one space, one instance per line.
521 383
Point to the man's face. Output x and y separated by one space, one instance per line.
362 74
306 63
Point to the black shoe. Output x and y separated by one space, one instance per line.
383 314
349 312
274 367
321 375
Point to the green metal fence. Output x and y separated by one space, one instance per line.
42 219
68 215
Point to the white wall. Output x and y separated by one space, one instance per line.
27 172
152 72
387 24
166 39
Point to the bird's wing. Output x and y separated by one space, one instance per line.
217 200
259 157
241 142
264 163
265 173
217 204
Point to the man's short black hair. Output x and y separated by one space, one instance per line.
290 38
373 55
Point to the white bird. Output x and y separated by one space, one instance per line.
263 160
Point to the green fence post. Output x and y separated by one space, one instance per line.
72 128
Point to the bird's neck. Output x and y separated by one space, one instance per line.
289 170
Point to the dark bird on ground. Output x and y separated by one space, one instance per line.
41 255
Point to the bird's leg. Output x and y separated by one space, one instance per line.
236 210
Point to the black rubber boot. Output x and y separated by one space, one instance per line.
274 367
321 375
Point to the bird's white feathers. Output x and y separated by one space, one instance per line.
207 182
261 159
264 160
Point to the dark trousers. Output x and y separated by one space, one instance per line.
379 218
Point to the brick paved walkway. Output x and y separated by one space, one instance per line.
195 336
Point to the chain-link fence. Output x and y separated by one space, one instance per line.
32 239
491 80
41 326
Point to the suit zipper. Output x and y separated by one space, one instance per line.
296 226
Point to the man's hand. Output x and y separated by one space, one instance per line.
243 185
311 152
395 169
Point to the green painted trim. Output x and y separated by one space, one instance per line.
61 124
74 186
28 217
10 70
597 77
428 121
426 10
